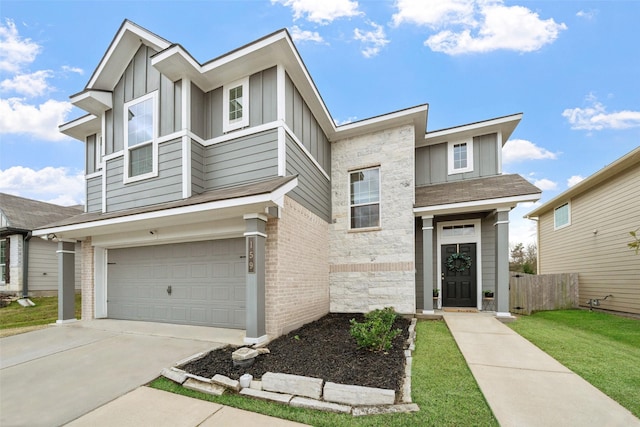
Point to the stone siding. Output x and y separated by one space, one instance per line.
375 268
296 270
87 280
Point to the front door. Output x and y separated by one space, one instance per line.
459 275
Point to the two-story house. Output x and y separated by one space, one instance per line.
223 194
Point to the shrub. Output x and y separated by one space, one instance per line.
375 332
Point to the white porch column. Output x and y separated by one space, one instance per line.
427 264
66 282
255 237
502 263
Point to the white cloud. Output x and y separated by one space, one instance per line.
40 121
345 121
373 40
55 185
15 52
472 26
321 12
434 14
596 117
299 35
522 230
516 150
587 14
34 84
574 180
545 184
68 69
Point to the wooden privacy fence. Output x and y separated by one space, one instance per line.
530 292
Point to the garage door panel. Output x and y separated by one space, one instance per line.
207 282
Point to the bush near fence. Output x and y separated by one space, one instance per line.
530 292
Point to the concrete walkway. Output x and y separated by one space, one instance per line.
150 407
91 372
523 385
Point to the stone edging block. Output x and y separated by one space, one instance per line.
175 375
226 382
292 384
357 396
391 409
204 387
267 395
303 402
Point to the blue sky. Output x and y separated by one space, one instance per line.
572 68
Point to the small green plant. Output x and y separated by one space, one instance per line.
436 292
375 333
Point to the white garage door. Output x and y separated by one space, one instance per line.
199 283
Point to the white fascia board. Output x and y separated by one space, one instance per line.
451 208
415 115
274 197
506 125
119 53
81 127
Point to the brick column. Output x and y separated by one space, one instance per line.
87 280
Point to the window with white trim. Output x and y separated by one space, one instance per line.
140 136
460 155
99 153
235 105
364 189
562 216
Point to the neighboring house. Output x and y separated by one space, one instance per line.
585 230
29 266
223 194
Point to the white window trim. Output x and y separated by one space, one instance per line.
244 122
154 142
555 225
99 152
450 162
349 205
5 263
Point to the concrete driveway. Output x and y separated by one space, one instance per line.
52 376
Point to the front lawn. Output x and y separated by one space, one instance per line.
602 348
45 311
442 385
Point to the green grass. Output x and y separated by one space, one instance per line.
44 312
442 385
602 348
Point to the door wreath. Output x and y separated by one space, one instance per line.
458 262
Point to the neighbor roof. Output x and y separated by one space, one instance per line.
628 160
473 190
27 214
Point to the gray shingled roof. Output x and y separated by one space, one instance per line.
471 190
27 214
252 189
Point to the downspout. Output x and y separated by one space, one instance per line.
25 266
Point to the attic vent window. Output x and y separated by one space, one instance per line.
236 105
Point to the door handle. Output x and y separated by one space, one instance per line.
169 289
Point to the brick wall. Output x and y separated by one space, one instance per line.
374 269
297 272
87 279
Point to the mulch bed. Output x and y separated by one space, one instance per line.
321 349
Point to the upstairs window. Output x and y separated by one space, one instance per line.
141 152
562 216
364 188
460 155
236 105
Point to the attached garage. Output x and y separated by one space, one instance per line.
196 283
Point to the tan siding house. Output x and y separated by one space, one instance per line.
586 230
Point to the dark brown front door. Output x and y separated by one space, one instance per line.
459 275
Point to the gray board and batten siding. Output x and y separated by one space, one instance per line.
94 194
166 187
431 161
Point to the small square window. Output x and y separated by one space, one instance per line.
562 216
364 189
460 155
235 105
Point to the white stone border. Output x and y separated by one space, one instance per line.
308 392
